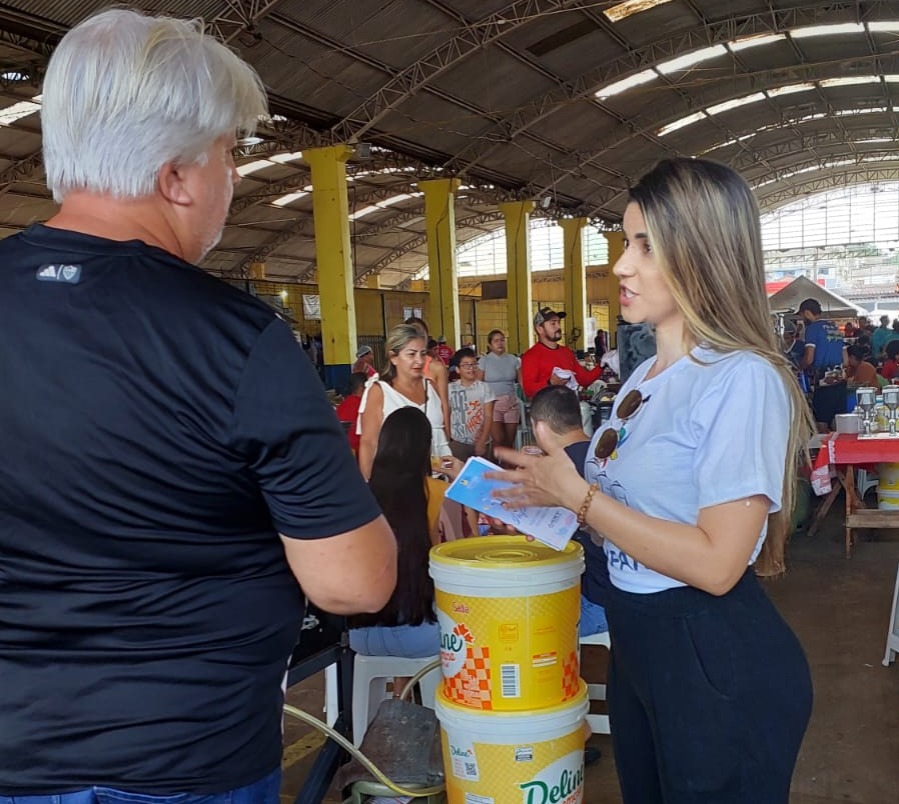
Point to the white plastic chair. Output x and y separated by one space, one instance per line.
599 724
523 435
370 677
865 480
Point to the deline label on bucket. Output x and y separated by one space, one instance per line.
465 761
562 782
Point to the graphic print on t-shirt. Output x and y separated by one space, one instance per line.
467 409
617 559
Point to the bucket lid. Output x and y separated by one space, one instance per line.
513 723
503 552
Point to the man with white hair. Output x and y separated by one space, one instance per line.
172 471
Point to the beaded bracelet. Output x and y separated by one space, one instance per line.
585 506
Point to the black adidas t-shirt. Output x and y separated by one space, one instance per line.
158 429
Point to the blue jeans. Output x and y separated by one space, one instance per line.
593 618
265 791
408 641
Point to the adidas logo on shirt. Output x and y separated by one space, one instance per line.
70 274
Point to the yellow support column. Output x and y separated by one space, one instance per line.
575 278
440 225
616 249
517 219
334 266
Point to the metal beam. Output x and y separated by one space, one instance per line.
767 79
474 37
776 195
19 169
420 239
240 17
819 147
262 251
772 21
363 193
336 45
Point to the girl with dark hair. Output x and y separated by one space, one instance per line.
407 625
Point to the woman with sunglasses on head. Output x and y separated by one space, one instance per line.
690 484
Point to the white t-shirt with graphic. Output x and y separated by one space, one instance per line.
467 409
707 433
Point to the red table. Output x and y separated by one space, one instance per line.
845 451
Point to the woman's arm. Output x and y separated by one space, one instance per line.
372 418
480 444
440 374
712 555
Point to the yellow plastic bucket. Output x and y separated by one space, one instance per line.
887 500
508 611
888 477
522 757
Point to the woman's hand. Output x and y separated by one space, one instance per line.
447 465
544 480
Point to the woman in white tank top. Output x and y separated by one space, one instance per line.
401 384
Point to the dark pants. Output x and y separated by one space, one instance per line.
461 451
828 401
709 697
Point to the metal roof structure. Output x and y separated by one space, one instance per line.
564 100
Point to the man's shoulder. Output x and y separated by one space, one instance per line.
535 352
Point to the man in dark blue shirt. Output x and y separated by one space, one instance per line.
824 349
556 420
172 471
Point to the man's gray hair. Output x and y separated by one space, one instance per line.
126 93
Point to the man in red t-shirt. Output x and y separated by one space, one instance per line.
538 363
348 410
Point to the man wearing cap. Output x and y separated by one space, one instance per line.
365 359
547 362
824 350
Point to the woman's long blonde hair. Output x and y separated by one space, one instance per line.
703 223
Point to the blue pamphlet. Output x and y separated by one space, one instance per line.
552 526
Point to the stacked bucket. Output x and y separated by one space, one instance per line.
888 487
512 704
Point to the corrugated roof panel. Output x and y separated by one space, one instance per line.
70 12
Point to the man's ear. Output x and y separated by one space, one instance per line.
172 184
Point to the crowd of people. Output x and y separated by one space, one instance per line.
829 360
176 485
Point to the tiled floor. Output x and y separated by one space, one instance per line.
840 610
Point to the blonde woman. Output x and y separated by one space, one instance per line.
691 484
401 384
435 371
